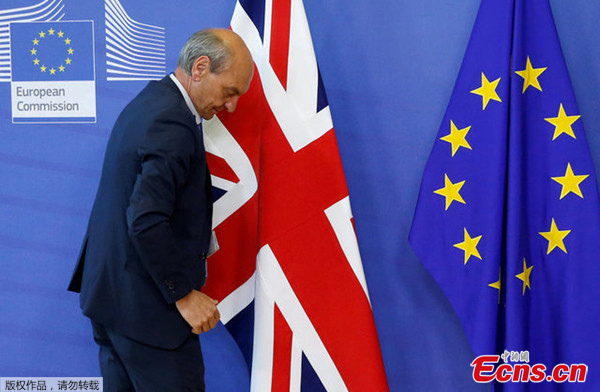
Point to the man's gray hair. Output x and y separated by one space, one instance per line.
204 43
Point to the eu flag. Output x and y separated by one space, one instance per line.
52 51
508 219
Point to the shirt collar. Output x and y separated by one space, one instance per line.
187 99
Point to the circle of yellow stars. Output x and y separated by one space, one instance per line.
570 182
42 35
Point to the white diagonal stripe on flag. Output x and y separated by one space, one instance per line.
218 141
340 215
272 283
303 80
238 300
300 128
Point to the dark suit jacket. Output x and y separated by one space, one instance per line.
149 230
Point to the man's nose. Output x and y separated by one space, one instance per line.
231 104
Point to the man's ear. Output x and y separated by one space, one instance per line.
200 68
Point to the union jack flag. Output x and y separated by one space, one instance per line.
288 273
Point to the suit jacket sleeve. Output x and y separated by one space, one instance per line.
166 156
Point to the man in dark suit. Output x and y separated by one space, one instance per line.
143 259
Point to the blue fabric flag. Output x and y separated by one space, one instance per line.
52 51
508 218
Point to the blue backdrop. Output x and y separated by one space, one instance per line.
388 67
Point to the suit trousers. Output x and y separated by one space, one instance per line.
128 365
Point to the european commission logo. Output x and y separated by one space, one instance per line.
52 72
134 50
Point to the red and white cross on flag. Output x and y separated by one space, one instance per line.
288 269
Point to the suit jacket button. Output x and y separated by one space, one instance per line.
170 284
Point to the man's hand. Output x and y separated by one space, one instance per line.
199 310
